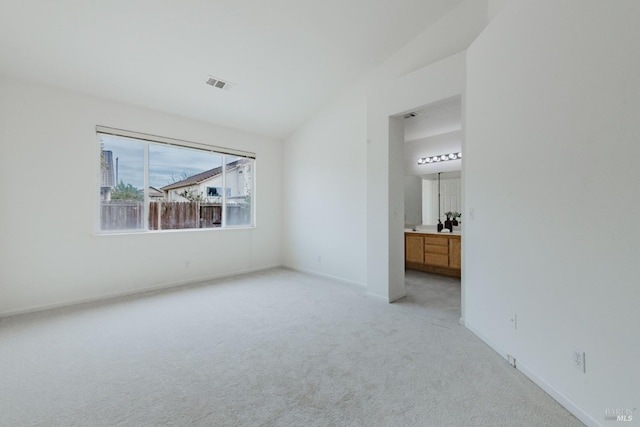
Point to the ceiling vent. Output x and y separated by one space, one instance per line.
219 84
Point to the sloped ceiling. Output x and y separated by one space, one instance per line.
287 57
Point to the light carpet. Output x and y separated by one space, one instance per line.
276 348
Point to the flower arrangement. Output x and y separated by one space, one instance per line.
452 215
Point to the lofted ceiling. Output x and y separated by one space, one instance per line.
287 58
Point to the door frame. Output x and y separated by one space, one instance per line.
386 107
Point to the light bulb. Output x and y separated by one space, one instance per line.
443 157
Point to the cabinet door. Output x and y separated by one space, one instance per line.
455 253
414 248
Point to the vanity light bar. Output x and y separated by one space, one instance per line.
440 158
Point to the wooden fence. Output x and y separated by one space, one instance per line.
210 215
121 215
176 215
238 215
128 215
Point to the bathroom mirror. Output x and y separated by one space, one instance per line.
421 197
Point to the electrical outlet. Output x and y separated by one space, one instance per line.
472 214
511 360
578 360
514 321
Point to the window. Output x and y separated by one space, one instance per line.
217 192
148 184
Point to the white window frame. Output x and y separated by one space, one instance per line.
146 139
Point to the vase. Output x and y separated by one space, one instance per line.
454 221
448 224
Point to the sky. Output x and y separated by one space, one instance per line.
167 164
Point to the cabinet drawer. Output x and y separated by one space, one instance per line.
436 241
436 259
433 249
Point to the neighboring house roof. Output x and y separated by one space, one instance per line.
202 176
107 178
154 192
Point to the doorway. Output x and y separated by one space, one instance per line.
431 132
386 108
433 199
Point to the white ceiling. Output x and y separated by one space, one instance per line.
287 57
435 119
434 130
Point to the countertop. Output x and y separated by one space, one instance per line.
454 233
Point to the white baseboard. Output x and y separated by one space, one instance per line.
487 341
348 282
385 299
378 297
396 297
326 276
563 400
134 291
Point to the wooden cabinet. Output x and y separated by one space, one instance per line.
414 248
434 253
436 250
455 253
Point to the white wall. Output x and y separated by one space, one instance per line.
325 176
385 166
552 129
412 200
50 254
495 6
324 192
428 217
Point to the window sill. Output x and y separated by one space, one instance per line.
183 230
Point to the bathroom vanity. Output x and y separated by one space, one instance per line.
433 252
